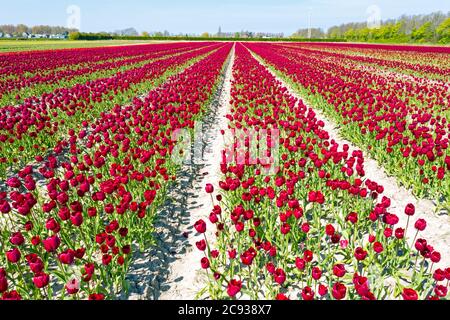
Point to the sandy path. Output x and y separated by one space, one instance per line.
437 232
171 269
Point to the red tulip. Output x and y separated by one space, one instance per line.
270 268
399 233
200 226
17 239
329 230
316 273
96 296
323 290
234 287
285 228
41 280
73 286
76 218
420 224
205 263
51 244
441 291
439 275
308 255
409 294
300 263
12 295
281 297
279 276
339 270
307 293
360 253
378 247
201 245
339 291
13 255
352 217
410 209
435 257
67 257
209 188
3 281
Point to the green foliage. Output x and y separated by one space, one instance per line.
423 34
74 36
304 33
41 29
97 36
430 28
443 31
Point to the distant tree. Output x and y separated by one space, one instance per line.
316 33
443 31
364 34
58 30
145 34
385 32
21 28
129 32
237 35
424 33
350 34
37 30
406 28
334 33
74 36
8 28
397 32
205 35
41 29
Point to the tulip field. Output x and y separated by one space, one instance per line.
87 161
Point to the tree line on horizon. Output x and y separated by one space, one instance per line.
18 30
423 28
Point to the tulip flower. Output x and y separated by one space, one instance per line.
3 281
13 255
339 291
73 286
41 280
200 226
409 294
205 263
209 188
51 244
234 287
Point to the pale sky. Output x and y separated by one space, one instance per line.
197 16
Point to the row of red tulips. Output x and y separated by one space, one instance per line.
73 233
317 229
423 63
29 129
15 89
34 62
423 91
407 131
389 48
